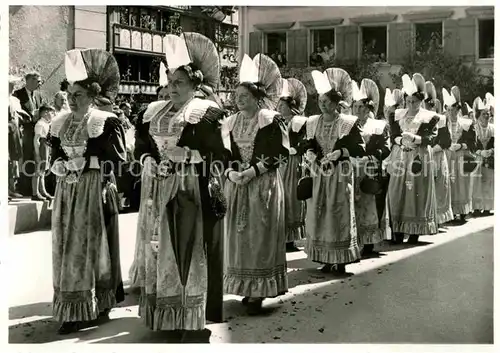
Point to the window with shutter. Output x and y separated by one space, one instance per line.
347 46
428 36
323 43
400 41
486 38
276 47
374 42
451 40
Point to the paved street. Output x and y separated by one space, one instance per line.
440 291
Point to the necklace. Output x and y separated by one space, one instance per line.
74 129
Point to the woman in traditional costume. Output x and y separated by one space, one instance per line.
255 256
177 141
87 145
460 154
332 138
372 223
483 194
411 194
291 106
440 144
489 98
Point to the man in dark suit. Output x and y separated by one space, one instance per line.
31 100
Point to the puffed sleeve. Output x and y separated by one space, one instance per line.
491 143
205 136
56 149
428 132
469 138
109 147
353 143
379 145
443 138
269 149
143 145
395 128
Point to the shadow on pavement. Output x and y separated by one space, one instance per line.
440 295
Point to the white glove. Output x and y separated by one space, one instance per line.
455 147
310 156
485 154
437 148
293 151
333 156
235 177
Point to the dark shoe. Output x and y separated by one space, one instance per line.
462 220
255 307
290 247
68 327
104 315
38 198
476 213
367 250
486 213
326 268
413 239
245 301
398 238
15 195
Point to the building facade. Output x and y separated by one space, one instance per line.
386 33
134 34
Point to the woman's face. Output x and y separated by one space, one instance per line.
326 105
454 110
79 98
413 103
180 87
244 99
61 100
163 94
284 108
484 117
360 109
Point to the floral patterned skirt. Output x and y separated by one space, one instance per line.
370 230
81 261
411 197
173 279
254 246
294 208
443 188
461 183
483 188
330 217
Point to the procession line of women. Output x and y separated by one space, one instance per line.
342 180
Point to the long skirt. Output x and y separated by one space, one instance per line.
365 205
461 184
443 188
411 196
330 218
254 245
172 276
483 194
82 264
294 208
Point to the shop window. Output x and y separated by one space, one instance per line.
374 39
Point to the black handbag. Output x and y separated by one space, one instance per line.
218 202
470 163
305 186
372 185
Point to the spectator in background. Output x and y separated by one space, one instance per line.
324 54
31 100
61 101
41 153
331 51
64 85
15 142
315 59
162 93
